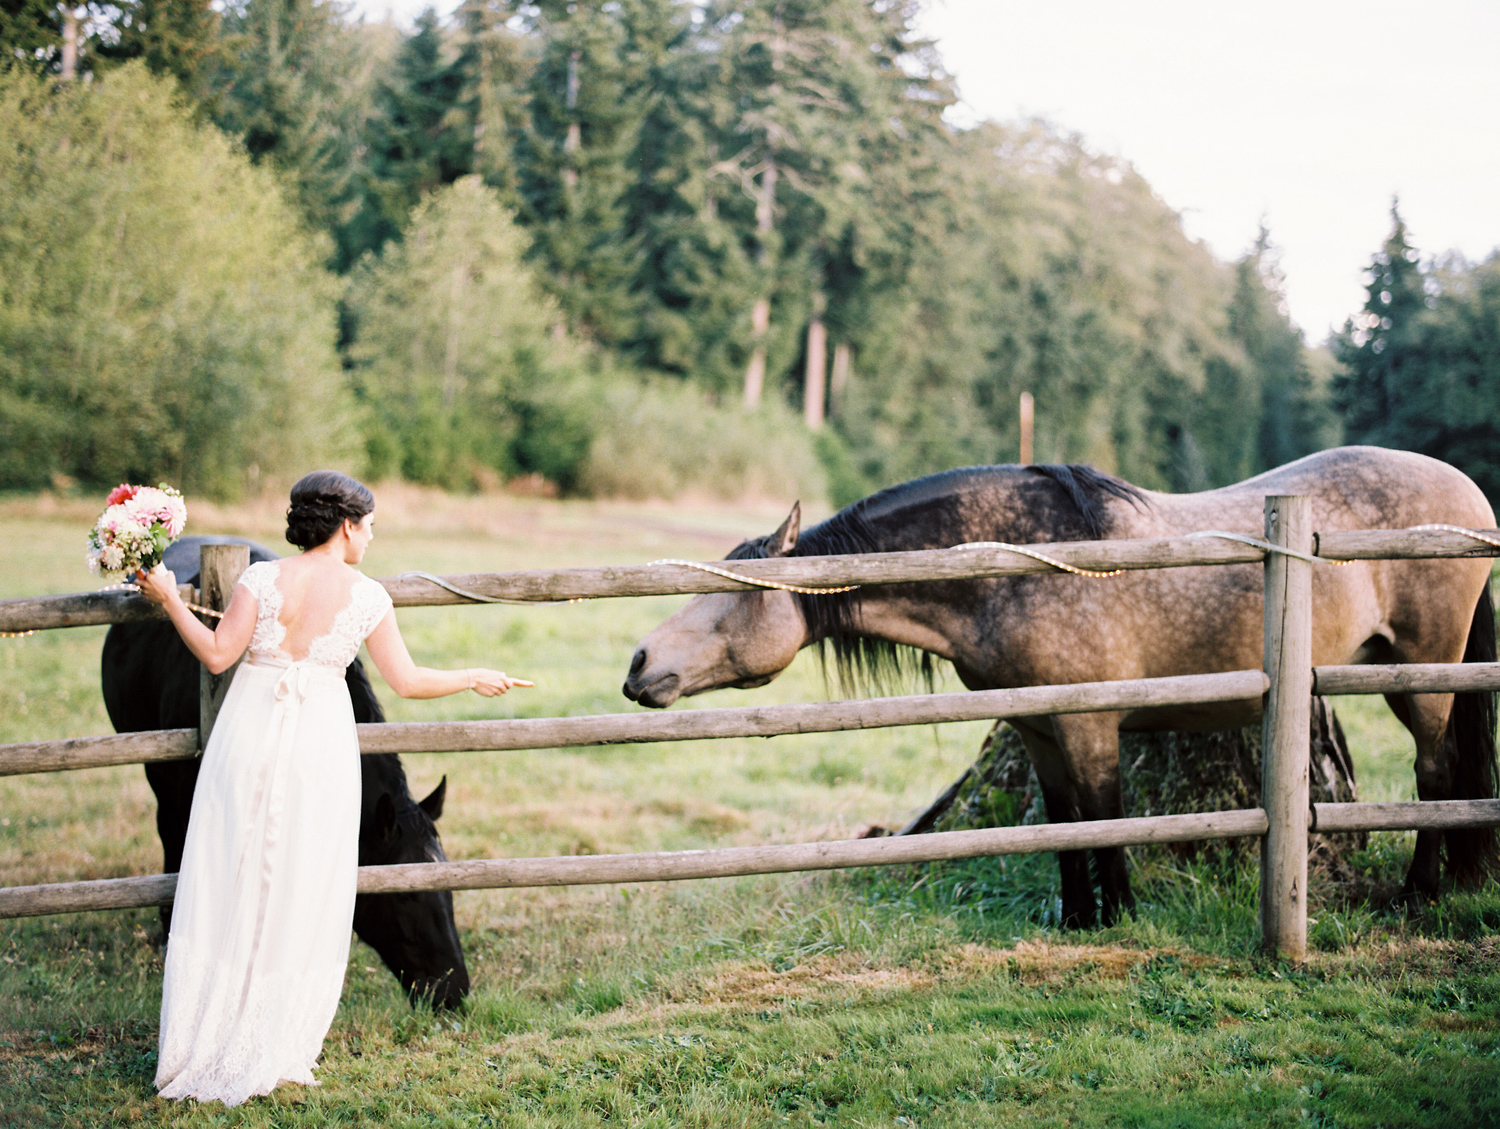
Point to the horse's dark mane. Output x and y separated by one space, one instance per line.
934 501
1086 488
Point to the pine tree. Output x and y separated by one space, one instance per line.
31 34
581 153
292 83
421 135
811 119
1455 412
179 38
493 66
1377 348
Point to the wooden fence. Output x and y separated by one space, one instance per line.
1286 685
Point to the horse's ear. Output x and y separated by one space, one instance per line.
784 540
385 816
433 804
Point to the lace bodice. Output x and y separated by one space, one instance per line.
368 603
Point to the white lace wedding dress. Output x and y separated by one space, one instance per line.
265 898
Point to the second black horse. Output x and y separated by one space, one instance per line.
150 681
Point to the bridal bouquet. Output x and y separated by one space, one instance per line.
137 525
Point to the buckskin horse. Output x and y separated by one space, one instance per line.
1051 629
150 681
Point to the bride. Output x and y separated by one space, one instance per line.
265 897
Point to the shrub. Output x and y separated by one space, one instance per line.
163 314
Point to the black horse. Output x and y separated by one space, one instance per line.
150 681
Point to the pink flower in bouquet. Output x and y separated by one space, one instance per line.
137 525
148 506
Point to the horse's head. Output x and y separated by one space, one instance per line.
741 639
414 932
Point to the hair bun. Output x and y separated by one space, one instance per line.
320 503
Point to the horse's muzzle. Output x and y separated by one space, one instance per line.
656 692
658 695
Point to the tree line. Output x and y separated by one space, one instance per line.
634 246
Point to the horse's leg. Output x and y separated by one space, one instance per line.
1079 909
1426 717
1092 742
1077 762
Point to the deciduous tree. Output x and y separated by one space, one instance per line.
163 311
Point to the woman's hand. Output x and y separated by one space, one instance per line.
158 587
409 680
489 683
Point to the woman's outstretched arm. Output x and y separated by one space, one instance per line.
409 680
217 649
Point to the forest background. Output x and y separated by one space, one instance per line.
637 248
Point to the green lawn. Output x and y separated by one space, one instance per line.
920 997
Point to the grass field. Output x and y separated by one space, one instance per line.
921 997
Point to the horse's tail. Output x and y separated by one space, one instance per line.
1476 775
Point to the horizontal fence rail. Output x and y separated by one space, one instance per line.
728 862
680 725
762 721
770 721
34 613
1406 678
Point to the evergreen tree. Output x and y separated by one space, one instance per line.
1379 349
421 135
800 122
1454 414
31 34
581 152
292 82
1421 364
494 64
179 38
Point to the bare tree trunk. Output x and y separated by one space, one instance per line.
765 220
838 379
1028 410
755 372
760 315
575 130
69 42
813 373
450 351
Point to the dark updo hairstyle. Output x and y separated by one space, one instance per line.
320 503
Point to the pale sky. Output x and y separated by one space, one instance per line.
1309 113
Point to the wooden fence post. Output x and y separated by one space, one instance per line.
1288 664
219 569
